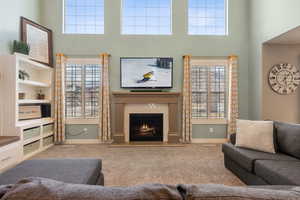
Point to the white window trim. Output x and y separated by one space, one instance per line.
226 7
63 22
210 62
83 120
150 34
208 121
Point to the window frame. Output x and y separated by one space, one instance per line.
131 34
83 119
226 7
210 63
64 27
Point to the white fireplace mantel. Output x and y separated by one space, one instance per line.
166 103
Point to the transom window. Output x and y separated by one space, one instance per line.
84 16
82 82
147 17
207 17
208 82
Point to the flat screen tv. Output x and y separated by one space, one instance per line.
146 72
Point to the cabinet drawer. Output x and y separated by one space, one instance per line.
10 155
31 133
48 141
48 128
32 147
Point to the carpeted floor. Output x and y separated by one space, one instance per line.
192 164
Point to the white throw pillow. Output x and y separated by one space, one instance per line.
256 135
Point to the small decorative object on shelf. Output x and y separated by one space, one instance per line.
40 95
22 95
21 47
23 75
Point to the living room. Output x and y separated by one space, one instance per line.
122 93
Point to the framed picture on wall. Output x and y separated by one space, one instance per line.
39 39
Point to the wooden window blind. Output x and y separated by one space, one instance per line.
208 91
82 90
73 101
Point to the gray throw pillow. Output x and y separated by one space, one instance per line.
46 189
288 138
221 192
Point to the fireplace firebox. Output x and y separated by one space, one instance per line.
146 127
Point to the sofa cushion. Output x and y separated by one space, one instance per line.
221 192
46 189
80 171
4 189
246 157
288 138
256 135
278 172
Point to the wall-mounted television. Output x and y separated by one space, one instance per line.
146 72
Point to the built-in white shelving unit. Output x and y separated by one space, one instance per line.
36 134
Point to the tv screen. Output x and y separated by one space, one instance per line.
146 72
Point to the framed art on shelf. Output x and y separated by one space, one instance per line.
39 39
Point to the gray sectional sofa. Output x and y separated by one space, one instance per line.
46 189
259 168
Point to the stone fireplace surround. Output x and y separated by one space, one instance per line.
166 103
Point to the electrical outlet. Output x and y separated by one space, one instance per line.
211 130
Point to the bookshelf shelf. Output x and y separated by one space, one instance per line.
34 83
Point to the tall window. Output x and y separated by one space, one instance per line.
208 90
84 16
147 17
207 17
82 90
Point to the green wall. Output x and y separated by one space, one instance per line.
10 13
78 131
175 45
203 132
268 19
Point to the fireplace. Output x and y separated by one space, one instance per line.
146 127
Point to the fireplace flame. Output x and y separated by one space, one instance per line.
145 126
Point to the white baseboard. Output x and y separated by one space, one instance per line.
83 141
209 141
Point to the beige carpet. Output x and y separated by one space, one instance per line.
192 164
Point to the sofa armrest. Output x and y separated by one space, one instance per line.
233 138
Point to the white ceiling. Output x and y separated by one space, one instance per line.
290 37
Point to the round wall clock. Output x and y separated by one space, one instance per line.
284 78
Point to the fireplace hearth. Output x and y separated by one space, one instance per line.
146 127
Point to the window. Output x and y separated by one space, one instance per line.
207 17
208 82
82 90
147 17
84 16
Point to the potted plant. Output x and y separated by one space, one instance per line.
21 47
23 75
40 95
